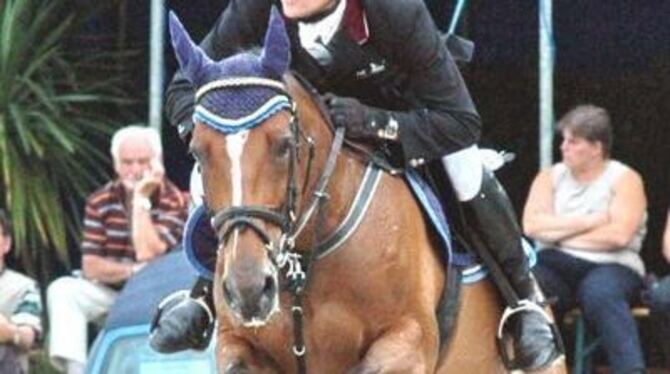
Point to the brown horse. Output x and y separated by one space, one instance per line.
278 189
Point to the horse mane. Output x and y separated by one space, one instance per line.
295 83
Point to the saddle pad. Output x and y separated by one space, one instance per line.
472 271
433 209
200 242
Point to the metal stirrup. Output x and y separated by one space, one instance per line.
522 306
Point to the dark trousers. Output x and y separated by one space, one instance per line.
10 362
604 293
659 301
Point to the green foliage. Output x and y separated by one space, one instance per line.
52 122
39 363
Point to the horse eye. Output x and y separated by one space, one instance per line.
283 147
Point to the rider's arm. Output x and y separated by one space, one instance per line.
626 212
542 223
443 114
241 25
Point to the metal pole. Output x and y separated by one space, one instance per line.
156 64
456 16
546 89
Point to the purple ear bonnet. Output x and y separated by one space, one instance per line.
241 91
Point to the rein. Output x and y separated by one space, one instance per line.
283 253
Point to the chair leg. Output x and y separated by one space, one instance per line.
578 364
586 345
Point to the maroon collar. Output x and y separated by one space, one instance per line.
355 21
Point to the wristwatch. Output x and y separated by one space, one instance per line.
390 131
142 202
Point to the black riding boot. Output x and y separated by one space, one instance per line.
497 237
184 320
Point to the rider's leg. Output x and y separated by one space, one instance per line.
184 320
490 216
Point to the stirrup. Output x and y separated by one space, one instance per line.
525 306
177 297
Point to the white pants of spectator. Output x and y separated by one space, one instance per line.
73 303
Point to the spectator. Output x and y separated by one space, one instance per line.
658 292
658 296
20 310
588 214
128 222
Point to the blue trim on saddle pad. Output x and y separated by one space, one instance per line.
477 272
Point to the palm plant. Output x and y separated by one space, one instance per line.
52 123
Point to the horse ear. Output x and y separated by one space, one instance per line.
276 55
192 60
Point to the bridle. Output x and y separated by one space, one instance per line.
288 218
283 253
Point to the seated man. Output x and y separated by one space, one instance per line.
128 222
20 310
588 214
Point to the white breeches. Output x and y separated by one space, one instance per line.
465 171
73 303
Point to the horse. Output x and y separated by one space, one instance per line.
280 184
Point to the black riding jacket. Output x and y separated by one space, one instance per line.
387 54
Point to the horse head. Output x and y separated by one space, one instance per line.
248 144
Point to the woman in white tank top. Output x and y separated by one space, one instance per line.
588 215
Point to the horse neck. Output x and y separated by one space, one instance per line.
346 177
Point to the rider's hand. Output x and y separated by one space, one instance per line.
362 122
350 113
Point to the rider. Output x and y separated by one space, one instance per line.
391 82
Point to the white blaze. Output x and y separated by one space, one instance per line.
235 148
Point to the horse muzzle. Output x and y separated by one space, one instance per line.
253 298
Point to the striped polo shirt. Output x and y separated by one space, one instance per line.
107 226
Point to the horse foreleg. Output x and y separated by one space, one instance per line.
237 356
406 348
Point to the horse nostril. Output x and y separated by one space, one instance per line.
269 286
227 293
